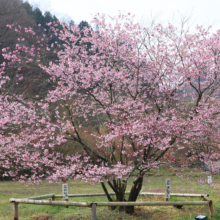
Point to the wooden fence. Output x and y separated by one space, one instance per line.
37 200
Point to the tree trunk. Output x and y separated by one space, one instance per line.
119 188
135 190
120 196
107 195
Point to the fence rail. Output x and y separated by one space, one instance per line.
42 197
127 192
89 204
36 200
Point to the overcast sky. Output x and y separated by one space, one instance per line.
203 12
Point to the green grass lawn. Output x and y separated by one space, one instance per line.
152 183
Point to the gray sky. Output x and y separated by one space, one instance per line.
203 12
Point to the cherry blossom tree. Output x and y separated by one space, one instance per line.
125 99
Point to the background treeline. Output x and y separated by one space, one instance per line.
22 13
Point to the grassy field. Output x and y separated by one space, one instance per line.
153 183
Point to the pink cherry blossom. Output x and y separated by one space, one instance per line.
127 98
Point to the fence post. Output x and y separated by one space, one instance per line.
211 208
93 211
15 211
67 201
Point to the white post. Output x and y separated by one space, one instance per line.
167 189
65 190
209 179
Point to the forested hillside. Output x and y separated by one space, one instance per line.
15 12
